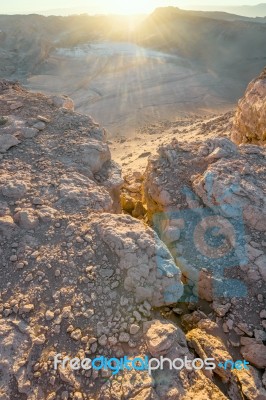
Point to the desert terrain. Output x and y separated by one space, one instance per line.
128 72
132 205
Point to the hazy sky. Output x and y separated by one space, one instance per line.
109 6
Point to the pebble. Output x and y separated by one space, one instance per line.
40 340
76 334
49 315
124 337
103 340
37 201
29 278
134 328
26 308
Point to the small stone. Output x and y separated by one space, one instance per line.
106 272
260 335
225 328
66 312
77 396
84 339
230 324
7 141
14 189
178 311
49 315
103 340
26 308
65 395
40 340
123 301
15 106
27 219
255 354
92 340
37 201
76 334
124 337
245 328
40 126
51 396
29 278
89 313
221 309
134 328
112 340
260 298
43 119
137 315
13 258
28 133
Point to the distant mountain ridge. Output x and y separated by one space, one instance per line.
216 41
258 10
222 46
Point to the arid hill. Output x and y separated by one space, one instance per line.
83 278
218 41
228 48
127 73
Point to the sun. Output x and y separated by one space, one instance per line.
131 6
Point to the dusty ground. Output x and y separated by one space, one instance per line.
132 153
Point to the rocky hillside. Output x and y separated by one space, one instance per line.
223 46
81 278
224 43
27 40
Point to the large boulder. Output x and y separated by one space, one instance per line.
250 120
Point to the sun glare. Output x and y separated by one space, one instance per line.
131 6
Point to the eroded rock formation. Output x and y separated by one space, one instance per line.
81 279
250 119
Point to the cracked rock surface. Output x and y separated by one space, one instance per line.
83 279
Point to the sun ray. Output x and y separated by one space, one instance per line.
128 7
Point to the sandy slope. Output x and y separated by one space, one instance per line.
125 87
132 153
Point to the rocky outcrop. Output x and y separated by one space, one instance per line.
206 201
81 279
76 277
190 190
250 119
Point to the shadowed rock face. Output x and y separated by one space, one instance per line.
250 119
